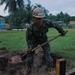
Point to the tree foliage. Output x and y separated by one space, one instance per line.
12 5
72 18
64 17
29 9
22 13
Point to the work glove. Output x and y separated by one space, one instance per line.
63 33
30 51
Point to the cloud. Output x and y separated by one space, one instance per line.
53 6
2 12
56 6
70 10
51 2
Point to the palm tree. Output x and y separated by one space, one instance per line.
29 9
12 5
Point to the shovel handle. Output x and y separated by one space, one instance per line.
47 42
44 43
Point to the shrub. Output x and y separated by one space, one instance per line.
9 28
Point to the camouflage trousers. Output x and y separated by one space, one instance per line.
48 58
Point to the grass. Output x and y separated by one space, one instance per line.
65 46
13 40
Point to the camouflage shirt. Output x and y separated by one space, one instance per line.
38 35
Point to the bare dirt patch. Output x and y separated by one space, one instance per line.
12 64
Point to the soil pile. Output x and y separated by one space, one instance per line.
12 64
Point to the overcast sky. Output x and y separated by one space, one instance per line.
53 6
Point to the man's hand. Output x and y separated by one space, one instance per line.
30 50
63 33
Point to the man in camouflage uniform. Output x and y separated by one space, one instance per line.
36 34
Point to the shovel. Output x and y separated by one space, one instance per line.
25 54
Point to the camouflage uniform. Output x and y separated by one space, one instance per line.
36 36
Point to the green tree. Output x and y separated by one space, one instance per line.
12 5
66 18
72 18
16 9
60 16
29 9
52 17
18 17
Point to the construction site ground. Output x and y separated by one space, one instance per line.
12 64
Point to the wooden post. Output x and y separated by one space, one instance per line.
60 66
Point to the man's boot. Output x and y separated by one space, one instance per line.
28 71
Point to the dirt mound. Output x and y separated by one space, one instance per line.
12 64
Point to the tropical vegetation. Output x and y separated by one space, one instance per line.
20 12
